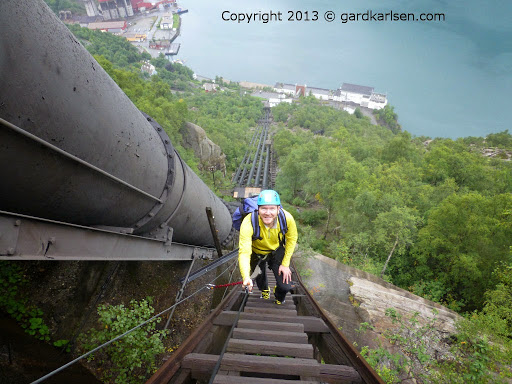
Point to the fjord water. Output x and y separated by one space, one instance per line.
445 79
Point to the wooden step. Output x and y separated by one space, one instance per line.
203 364
270 348
256 296
272 311
311 324
271 325
225 379
269 304
264 335
257 299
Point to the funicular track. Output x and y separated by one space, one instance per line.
258 342
255 168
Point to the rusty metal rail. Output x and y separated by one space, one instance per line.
254 168
271 344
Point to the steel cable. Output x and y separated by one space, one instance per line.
41 379
230 278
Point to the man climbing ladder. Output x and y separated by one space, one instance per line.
268 236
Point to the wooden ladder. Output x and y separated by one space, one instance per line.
269 346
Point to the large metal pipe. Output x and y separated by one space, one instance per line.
256 154
247 162
239 170
266 169
260 164
74 148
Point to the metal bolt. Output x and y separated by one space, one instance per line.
51 240
151 214
10 251
17 223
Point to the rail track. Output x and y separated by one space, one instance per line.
266 344
255 168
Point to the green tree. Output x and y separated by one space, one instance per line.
388 118
498 303
447 159
463 241
294 172
501 139
66 5
334 179
400 147
395 231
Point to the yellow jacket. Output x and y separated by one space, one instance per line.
268 243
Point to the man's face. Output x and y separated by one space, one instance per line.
268 214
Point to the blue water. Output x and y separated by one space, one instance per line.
445 79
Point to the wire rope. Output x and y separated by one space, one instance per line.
41 379
230 278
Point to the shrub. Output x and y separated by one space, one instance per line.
131 358
14 302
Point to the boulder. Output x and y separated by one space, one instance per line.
209 153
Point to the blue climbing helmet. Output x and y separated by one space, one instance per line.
269 197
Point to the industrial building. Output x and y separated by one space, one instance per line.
115 9
109 26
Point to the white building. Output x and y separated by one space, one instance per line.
288 89
320 93
272 101
210 87
361 95
115 9
347 93
358 94
148 68
166 22
377 101
91 8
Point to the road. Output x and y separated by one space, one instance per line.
148 24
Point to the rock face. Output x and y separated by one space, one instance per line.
209 153
350 297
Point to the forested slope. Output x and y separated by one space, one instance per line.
431 216
434 217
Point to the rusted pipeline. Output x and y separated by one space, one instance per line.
58 97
